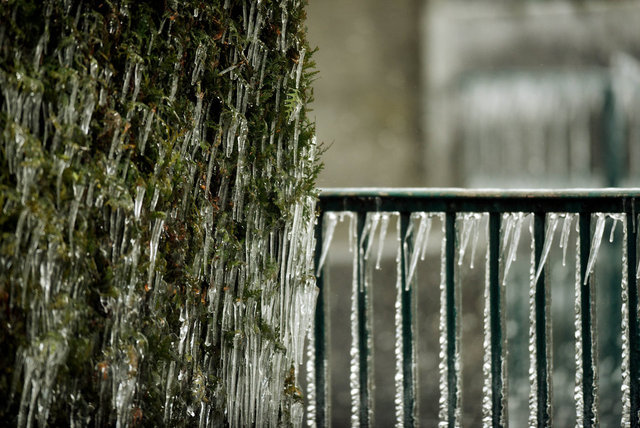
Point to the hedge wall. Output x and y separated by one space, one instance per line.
157 173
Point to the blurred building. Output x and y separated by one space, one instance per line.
477 93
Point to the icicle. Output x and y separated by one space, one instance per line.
470 222
419 239
384 224
616 218
329 226
138 202
465 234
548 240
425 242
371 227
516 237
474 245
78 192
147 128
595 245
564 237
153 247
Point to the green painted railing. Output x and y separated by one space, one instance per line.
495 203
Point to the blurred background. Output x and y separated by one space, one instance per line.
503 94
477 93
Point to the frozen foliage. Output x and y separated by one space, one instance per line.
157 212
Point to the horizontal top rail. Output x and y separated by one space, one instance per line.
480 200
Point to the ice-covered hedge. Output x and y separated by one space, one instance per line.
156 209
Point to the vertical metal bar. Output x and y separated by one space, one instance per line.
496 320
364 330
451 312
586 313
542 361
634 328
320 339
408 345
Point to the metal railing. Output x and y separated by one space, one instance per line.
495 204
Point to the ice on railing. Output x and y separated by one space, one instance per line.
534 404
487 387
595 245
511 239
420 242
626 348
552 218
354 380
564 237
443 367
470 226
384 224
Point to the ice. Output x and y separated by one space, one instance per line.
470 226
552 220
354 383
273 264
140 190
626 348
420 243
578 394
487 389
399 374
564 237
329 225
533 366
384 224
371 227
595 245
513 229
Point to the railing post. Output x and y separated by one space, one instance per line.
634 328
451 324
543 393
496 317
363 339
586 326
408 345
319 337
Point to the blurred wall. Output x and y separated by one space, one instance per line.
367 95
